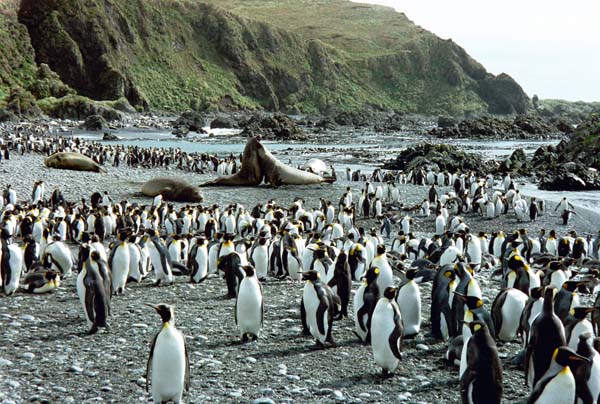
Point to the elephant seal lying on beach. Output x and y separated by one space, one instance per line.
72 161
172 189
259 164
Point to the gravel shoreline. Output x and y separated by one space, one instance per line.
45 356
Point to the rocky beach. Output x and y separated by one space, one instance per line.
46 357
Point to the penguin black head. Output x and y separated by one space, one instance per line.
310 276
320 254
248 270
477 326
94 255
570 285
536 293
380 249
371 275
411 273
581 312
164 310
566 357
390 292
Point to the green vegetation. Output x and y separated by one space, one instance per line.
301 56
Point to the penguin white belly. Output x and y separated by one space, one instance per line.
357 304
559 390
168 366
409 302
15 263
248 307
81 292
311 305
212 259
261 262
382 326
294 269
120 268
201 260
557 278
98 246
511 313
135 257
175 252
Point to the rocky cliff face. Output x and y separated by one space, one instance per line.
301 56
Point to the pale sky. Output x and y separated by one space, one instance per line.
550 47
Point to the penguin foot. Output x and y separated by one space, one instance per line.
317 346
93 330
305 332
386 374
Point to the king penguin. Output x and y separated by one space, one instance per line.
506 313
557 386
386 332
168 366
547 334
319 303
96 292
249 306
365 299
481 383
409 302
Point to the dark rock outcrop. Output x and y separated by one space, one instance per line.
272 127
521 127
192 120
440 157
516 164
94 122
223 122
78 108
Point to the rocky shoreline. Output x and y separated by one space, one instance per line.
45 356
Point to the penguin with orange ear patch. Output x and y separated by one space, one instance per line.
481 383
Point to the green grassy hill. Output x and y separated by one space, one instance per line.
292 56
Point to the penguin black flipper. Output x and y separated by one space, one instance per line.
395 338
181 269
321 317
186 383
89 301
149 363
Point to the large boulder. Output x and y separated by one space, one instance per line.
94 122
192 120
571 177
438 156
223 122
520 127
272 127
516 163
78 108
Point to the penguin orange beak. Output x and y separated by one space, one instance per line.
151 305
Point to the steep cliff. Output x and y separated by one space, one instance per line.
300 56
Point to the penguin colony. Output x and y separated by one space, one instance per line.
323 251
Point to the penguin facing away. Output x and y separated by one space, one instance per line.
168 367
365 299
481 383
96 293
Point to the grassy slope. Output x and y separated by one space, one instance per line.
16 54
311 56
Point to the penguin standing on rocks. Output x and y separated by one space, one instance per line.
199 260
506 313
481 383
341 283
118 261
365 299
249 307
409 302
547 334
11 262
168 367
319 304
558 385
96 292
386 332
442 295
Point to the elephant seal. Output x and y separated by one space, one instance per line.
72 161
172 190
259 164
